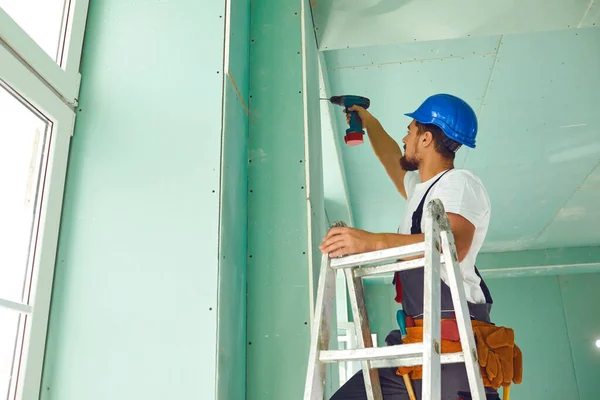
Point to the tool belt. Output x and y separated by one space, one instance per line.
500 359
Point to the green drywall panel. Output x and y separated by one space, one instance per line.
561 261
533 308
580 213
525 109
581 297
334 174
281 237
556 150
531 258
381 308
396 85
403 21
231 356
381 57
133 312
232 269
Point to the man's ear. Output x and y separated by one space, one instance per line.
426 138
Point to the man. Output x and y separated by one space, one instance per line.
439 127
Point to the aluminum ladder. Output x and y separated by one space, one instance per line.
427 353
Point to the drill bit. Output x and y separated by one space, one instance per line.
338 224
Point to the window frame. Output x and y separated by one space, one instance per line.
65 82
53 91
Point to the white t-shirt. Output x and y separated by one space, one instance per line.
462 193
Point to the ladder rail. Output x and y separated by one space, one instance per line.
363 333
431 380
465 328
372 257
409 361
320 331
387 268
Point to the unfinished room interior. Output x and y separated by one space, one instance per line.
299 199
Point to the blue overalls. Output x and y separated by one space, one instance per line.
454 376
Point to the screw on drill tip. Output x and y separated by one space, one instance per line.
338 224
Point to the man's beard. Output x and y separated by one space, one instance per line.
409 165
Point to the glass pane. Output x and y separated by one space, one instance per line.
9 329
23 137
42 20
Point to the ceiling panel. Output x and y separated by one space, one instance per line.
412 52
395 88
538 144
578 221
525 199
357 23
591 17
538 138
542 101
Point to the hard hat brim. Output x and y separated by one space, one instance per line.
448 131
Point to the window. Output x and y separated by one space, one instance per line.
45 25
47 35
23 152
37 100
23 155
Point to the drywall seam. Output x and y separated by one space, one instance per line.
587 10
566 202
560 269
562 301
411 61
312 18
487 85
307 182
247 204
485 91
334 128
226 33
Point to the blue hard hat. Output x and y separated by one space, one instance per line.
451 114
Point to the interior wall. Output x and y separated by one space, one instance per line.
231 358
555 326
581 298
134 308
285 201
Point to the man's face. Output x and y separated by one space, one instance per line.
410 160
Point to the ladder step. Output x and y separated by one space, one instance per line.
446 358
373 257
387 268
372 353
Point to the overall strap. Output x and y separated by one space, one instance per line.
418 214
415 229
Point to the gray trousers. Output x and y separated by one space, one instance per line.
454 380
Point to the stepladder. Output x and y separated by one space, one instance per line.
437 251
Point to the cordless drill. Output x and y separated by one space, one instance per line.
354 134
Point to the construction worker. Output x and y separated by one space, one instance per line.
439 127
